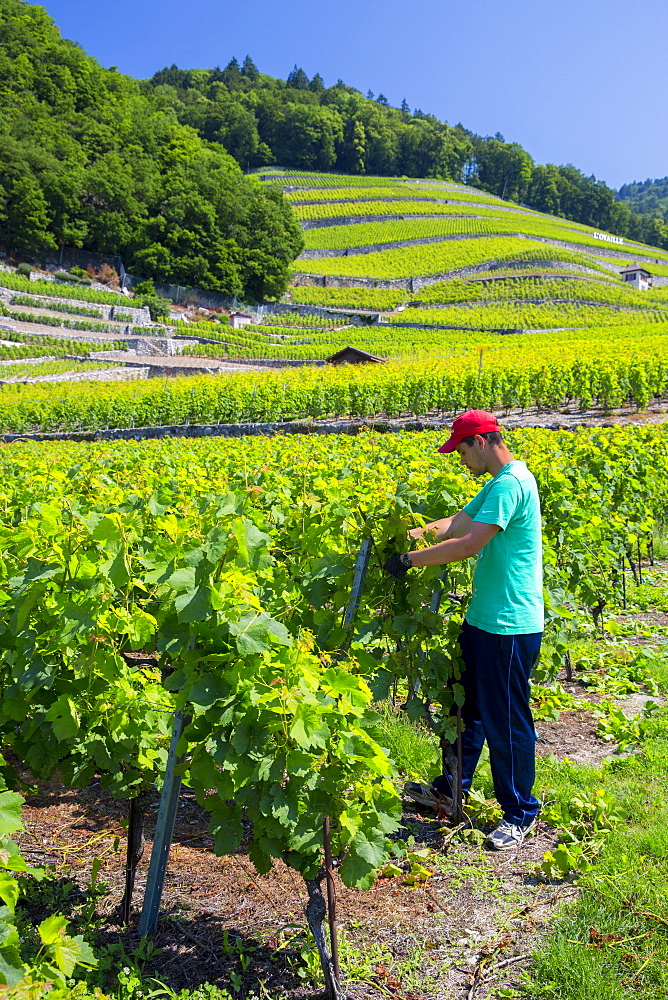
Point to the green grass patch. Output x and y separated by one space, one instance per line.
613 942
414 749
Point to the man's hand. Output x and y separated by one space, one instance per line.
395 566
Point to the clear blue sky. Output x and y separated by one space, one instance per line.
574 81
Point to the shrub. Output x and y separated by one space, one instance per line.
158 308
145 287
24 269
79 271
66 276
108 275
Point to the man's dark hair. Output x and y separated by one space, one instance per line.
493 437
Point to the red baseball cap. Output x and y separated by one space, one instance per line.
467 425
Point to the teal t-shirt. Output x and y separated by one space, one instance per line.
508 578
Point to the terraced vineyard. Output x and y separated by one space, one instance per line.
427 272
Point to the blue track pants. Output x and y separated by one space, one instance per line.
496 709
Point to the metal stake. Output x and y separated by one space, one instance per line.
359 576
164 830
623 583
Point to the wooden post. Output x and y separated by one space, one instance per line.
331 898
459 795
135 849
623 582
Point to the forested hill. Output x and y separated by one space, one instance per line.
301 124
649 197
91 158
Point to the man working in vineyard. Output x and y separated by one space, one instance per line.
501 635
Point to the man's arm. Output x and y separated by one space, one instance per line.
446 527
453 549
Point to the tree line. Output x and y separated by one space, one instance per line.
92 158
302 124
649 197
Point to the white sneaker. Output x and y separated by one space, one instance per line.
508 836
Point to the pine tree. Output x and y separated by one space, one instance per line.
231 75
298 79
369 95
317 84
382 99
405 109
250 70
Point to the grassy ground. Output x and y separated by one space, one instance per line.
612 941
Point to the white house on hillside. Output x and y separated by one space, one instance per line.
638 277
238 320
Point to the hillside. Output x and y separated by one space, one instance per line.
434 266
432 276
89 158
304 125
649 197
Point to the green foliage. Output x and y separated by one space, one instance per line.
548 702
614 726
649 197
584 822
145 288
158 308
413 748
69 276
66 307
151 191
44 368
20 283
58 953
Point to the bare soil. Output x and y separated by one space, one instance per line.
475 920
476 905
465 931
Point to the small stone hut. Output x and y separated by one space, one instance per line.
353 356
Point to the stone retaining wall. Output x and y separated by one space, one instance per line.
350 220
277 362
137 315
352 427
229 430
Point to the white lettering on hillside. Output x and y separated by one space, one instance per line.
608 238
